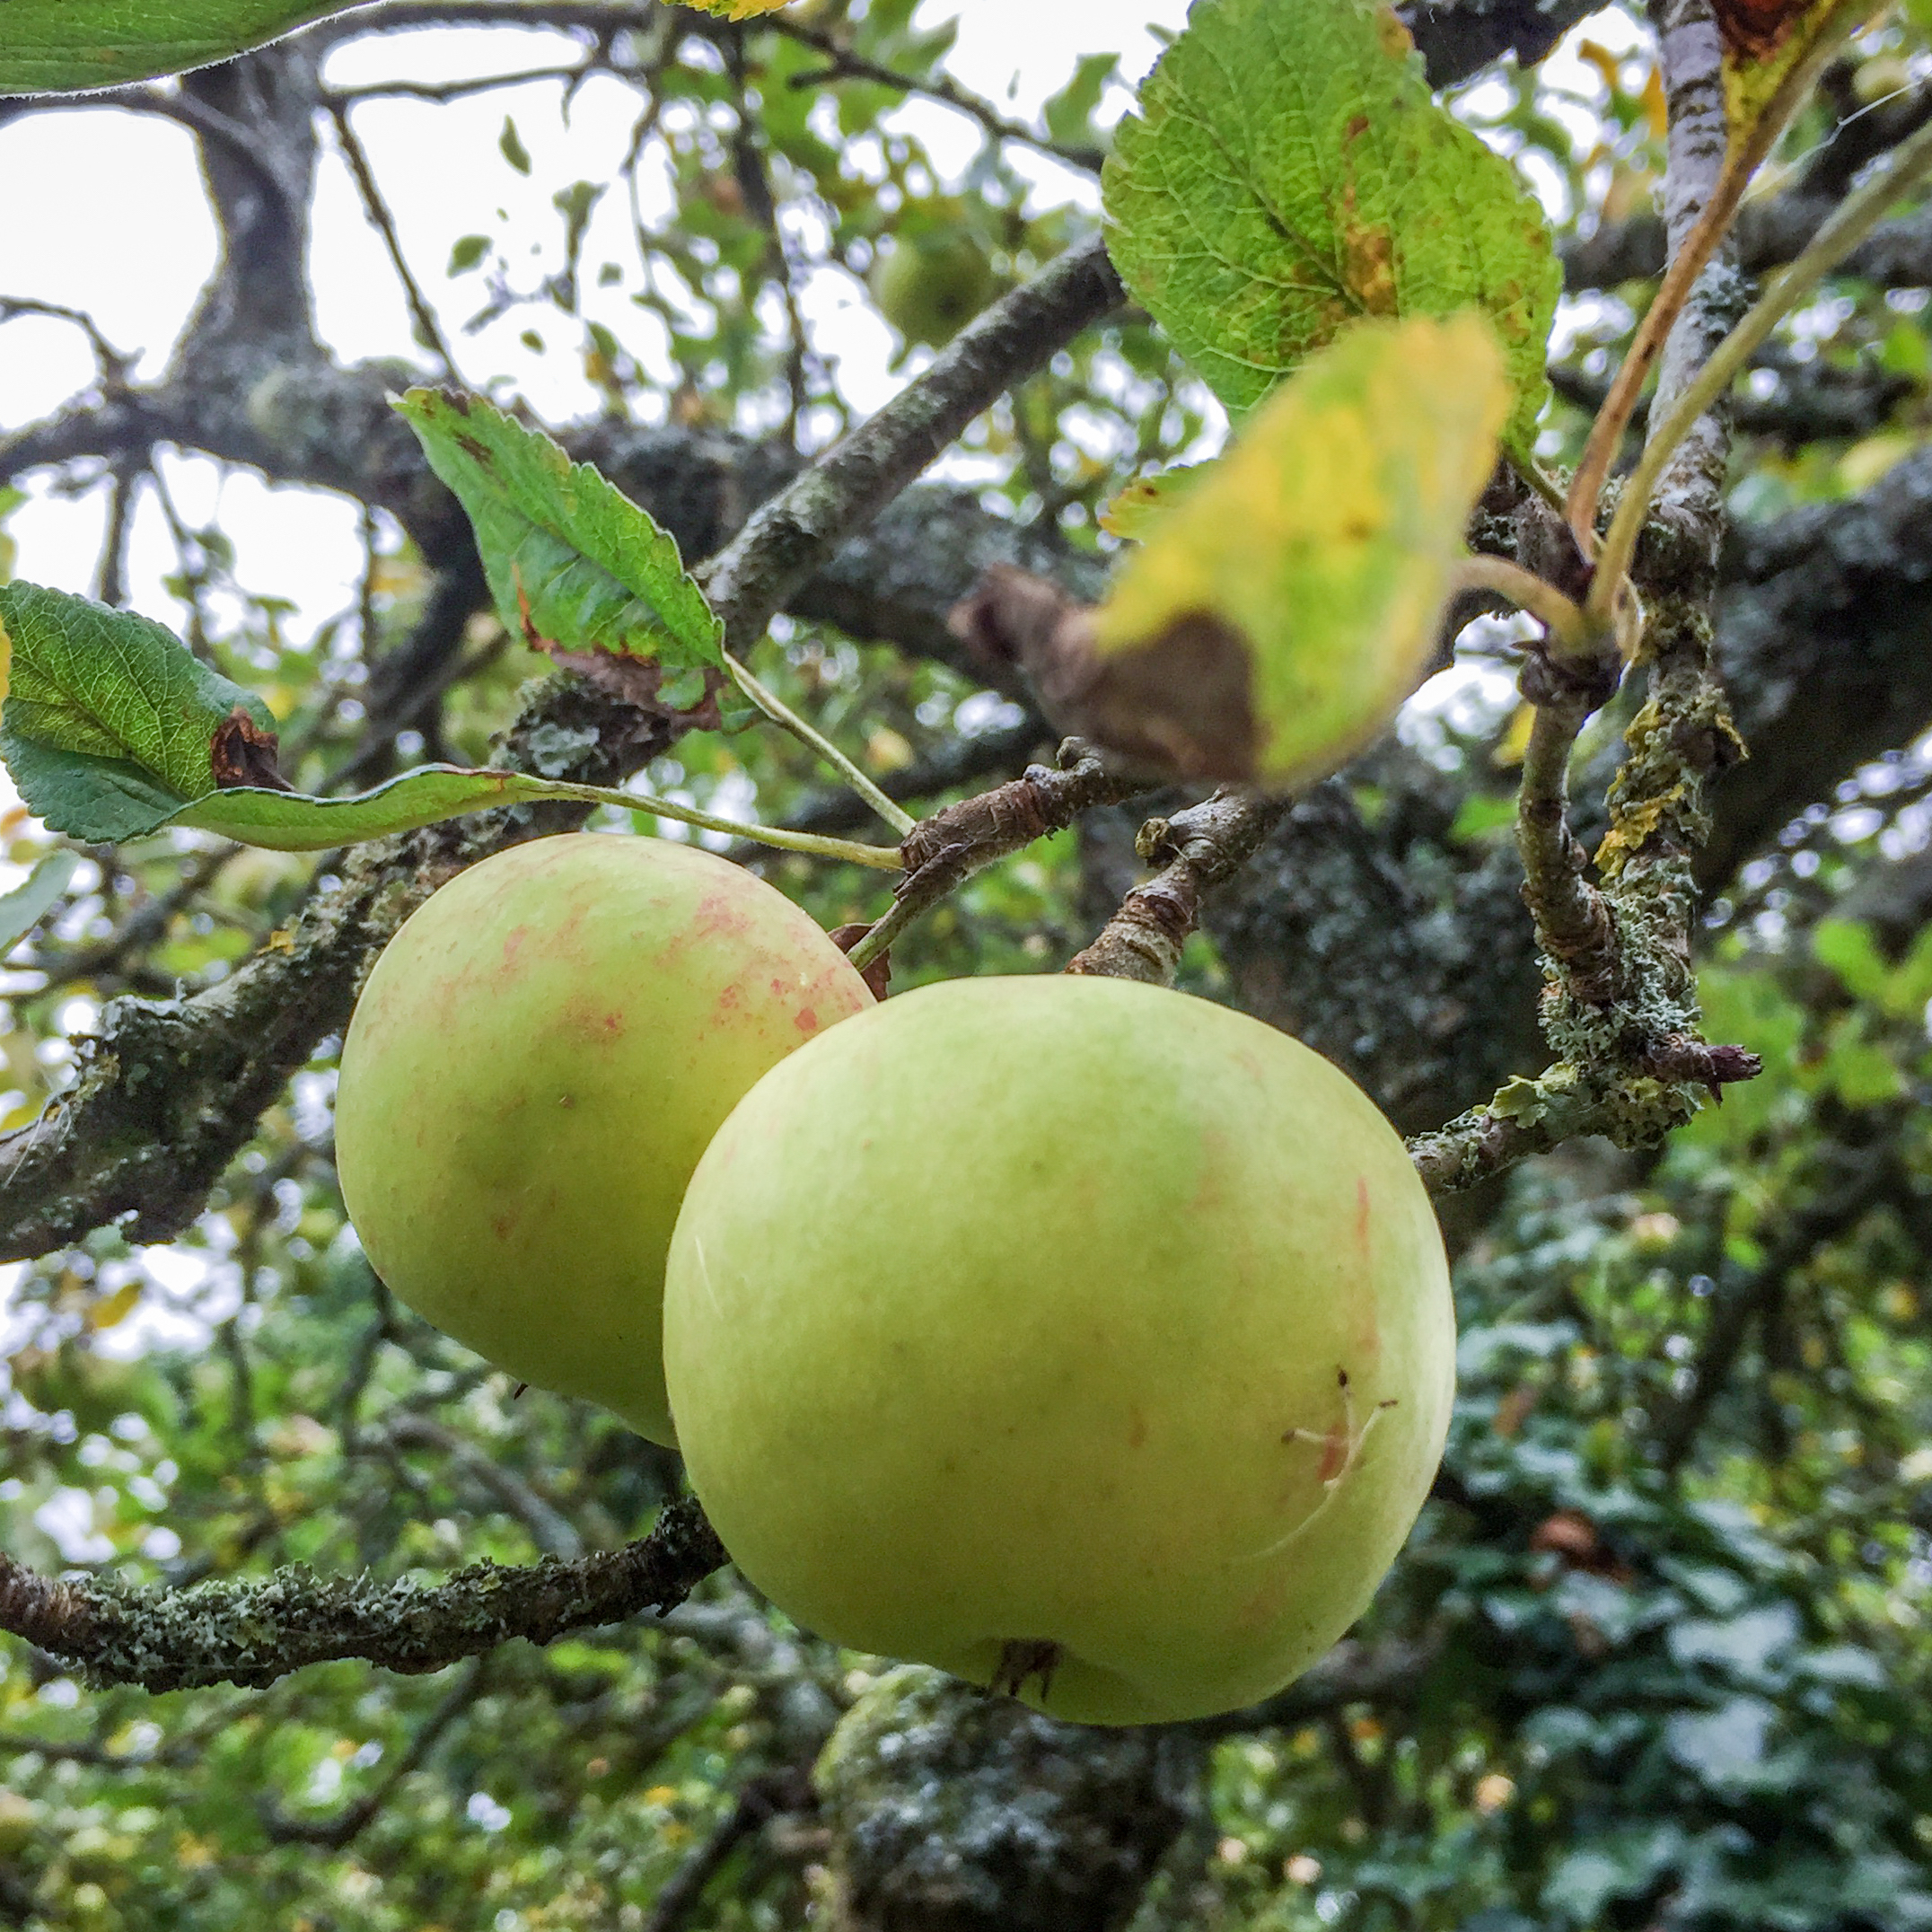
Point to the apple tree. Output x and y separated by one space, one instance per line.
1414 526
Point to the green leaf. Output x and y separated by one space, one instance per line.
101 801
1289 172
56 46
1139 506
113 730
109 727
1848 948
570 559
511 145
293 822
738 9
106 802
28 904
1069 114
1288 602
465 252
114 687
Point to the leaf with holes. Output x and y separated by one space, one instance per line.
1289 172
1284 608
57 45
571 560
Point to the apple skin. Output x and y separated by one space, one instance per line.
533 1069
929 286
1017 1312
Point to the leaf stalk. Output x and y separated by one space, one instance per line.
781 714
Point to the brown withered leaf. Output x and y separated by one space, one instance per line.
1181 705
242 754
1754 30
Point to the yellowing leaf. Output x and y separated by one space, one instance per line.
117 1307
1282 610
737 9
1771 49
1134 512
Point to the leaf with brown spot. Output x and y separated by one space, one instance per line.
243 754
569 559
1284 609
1289 173
640 682
108 718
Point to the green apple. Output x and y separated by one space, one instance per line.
1086 1340
538 1060
928 287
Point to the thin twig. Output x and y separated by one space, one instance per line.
1850 223
1573 922
846 65
1718 206
764 1798
337 1832
428 331
337 99
942 852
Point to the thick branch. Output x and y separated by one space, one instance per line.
793 537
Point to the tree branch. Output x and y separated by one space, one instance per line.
791 539
941 852
765 1796
337 1832
1201 847
251 1633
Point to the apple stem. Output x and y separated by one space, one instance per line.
1021 1660
779 712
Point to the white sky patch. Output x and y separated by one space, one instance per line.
118 226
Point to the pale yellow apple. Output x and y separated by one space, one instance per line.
1070 1334
535 1066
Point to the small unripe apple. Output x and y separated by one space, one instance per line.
535 1066
928 287
1082 1339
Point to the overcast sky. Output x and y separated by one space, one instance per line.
114 225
